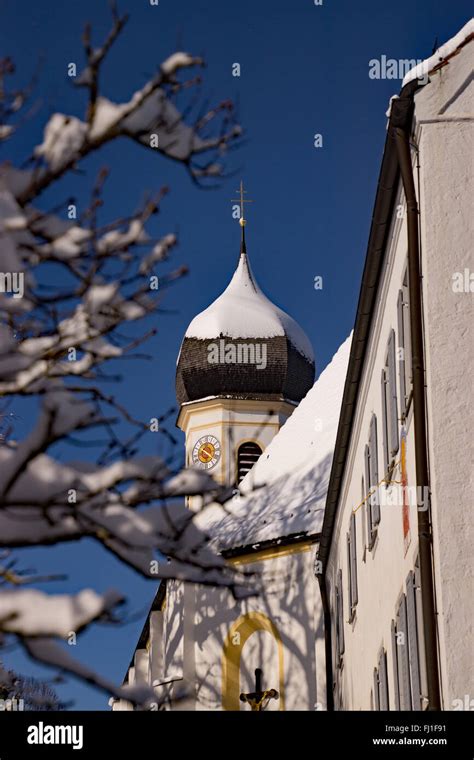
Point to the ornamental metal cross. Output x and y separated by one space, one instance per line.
259 698
241 202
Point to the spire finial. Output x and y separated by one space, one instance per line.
242 220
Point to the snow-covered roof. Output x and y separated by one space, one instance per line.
243 311
441 53
285 492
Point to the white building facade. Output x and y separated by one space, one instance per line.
401 622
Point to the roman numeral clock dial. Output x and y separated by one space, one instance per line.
206 452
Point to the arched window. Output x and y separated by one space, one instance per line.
247 455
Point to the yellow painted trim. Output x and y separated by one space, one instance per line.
271 553
240 631
236 403
228 423
232 405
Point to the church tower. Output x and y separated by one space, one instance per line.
244 365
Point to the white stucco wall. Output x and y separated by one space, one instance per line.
196 622
291 601
445 130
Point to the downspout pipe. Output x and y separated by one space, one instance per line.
402 140
327 641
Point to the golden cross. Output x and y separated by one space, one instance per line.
259 698
241 201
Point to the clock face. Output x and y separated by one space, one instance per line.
206 452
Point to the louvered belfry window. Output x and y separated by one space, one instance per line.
247 455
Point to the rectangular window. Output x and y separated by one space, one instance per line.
402 656
352 566
413 650
396 687
389 404
339 620
404 345
374 474
363 510
421 641
408 649
376 690
384 393
383 681
401 356
368 505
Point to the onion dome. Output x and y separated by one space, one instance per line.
243 346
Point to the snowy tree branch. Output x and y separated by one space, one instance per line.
59 333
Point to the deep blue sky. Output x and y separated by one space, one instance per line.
304 70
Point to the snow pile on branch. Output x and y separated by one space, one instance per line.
29 612
179 61
64 137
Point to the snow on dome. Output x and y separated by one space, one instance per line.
243 311
285 492
443 52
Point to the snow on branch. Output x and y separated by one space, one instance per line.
150 117
39 621
29 612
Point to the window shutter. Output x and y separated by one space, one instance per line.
401 361
374 471
392 395
353 558
340 614
368 505
395 667
413 642
383 684
364 518
349 571
386 457
407 333
403 663
421 641
376 690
